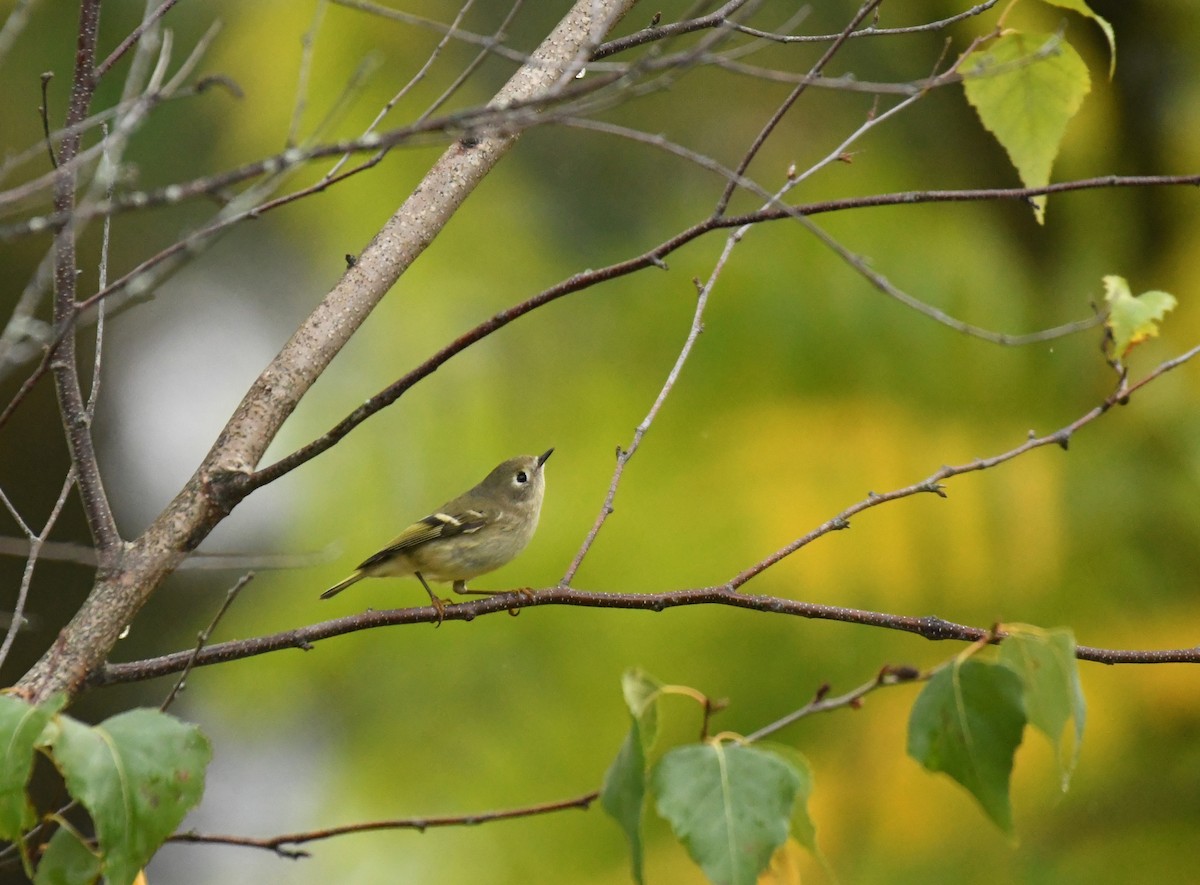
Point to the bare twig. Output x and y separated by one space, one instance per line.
307 46
353 86
488 44
871 30
932 483
37 542
887 287
624 455
98 357
719 18
665 144
35 548
822 703
203 637
473 65
134 36
792 98
63 365
772 200
44 111
16 515
332 174
280 844
844 83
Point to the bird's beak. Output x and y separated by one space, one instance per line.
542 458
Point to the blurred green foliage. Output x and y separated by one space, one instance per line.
807 389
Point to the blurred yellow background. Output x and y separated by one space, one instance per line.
807 390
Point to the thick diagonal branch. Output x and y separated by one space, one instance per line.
219 483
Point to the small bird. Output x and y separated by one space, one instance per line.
479 531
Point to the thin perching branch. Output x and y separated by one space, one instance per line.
929 627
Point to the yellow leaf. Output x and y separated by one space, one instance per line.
1133 318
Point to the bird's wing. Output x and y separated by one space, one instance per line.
435 525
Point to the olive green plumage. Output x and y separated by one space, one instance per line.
477 532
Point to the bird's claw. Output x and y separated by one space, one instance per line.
528 593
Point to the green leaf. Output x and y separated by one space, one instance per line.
21 724
803 829
967 722
1132 319
1026 88
1082 8
623 795
21 727
1045 661
729 805
642 692
67 861
137 774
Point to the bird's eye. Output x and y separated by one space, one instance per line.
522 476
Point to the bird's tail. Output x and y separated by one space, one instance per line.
342 585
